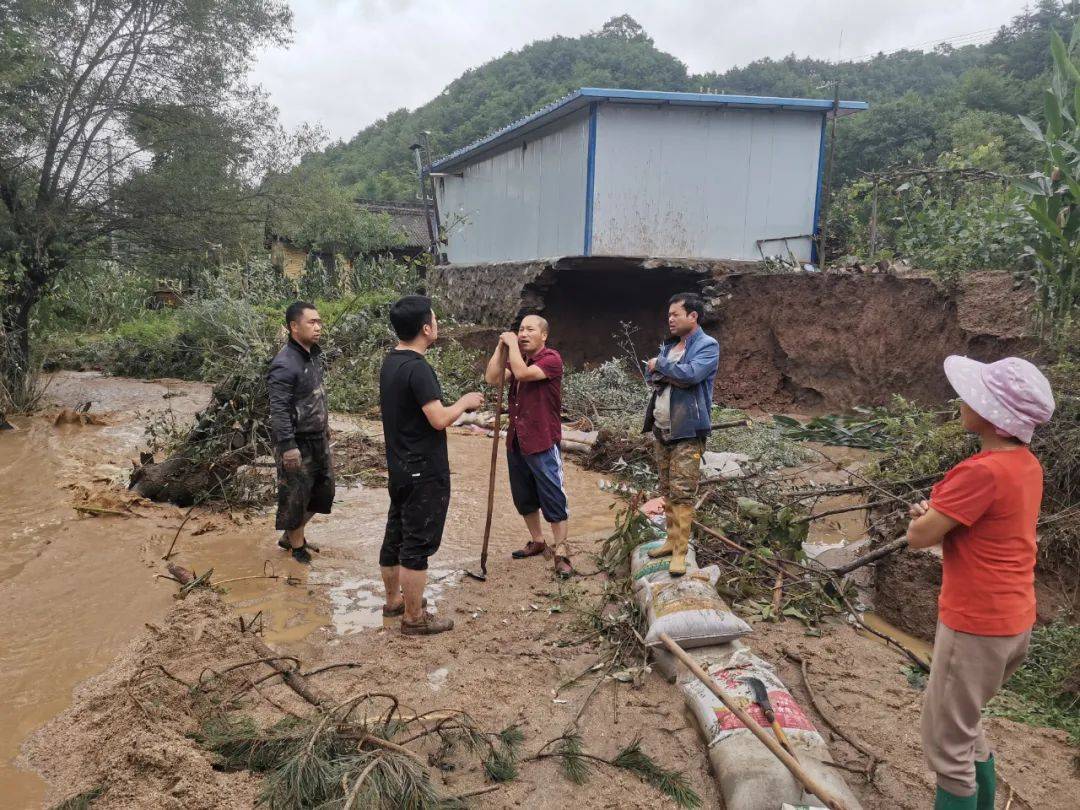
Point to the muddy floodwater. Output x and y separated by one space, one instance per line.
77 587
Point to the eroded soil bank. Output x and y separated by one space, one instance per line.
792 341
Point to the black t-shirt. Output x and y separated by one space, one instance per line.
414 449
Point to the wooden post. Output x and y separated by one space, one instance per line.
805 779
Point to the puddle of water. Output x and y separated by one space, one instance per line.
923 649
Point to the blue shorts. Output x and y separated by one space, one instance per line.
536 482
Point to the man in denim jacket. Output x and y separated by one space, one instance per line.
680 418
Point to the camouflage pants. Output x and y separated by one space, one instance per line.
679 465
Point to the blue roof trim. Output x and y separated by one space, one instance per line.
581 98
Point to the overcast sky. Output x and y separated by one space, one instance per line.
353 61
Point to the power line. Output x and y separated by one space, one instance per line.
977 37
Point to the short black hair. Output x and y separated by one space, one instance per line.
692 302
295 310
409 315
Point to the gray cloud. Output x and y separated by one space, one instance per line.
354 61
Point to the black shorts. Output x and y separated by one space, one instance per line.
414 525
309 489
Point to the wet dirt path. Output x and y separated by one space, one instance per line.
76 589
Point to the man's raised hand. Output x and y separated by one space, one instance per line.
472 401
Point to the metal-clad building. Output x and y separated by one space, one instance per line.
641 173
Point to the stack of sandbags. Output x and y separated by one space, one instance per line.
749 775
689 610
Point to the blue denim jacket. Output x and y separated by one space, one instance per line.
691 407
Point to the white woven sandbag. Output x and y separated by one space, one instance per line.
644 569
689 610
749 775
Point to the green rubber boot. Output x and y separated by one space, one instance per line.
947 801
986 779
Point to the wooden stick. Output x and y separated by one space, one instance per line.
873 556
823 794
843 509
494 459
742 549
854 742
293 678
778 596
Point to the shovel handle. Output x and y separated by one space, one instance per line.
824 795
494 457
782 737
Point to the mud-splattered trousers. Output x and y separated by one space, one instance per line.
679 466
309 489
299 421
415 523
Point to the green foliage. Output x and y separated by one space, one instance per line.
673 784
951 219
317 214
920 443
376 163
1053 195
764 443
1057 446
872 428
608 395
577 766
1045 691
132 121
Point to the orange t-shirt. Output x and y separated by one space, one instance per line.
988 570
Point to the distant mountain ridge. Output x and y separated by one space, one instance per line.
923 104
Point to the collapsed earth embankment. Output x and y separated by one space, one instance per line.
792 341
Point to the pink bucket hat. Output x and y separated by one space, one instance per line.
1011 394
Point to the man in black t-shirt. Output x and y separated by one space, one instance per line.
414 429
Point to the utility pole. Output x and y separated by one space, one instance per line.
425 139
827 191
432 238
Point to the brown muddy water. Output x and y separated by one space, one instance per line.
76 589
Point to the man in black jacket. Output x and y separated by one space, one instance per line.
300 426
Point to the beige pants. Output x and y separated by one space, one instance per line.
967 671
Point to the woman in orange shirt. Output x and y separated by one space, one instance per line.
983 512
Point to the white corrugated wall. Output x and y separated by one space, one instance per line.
521 203
704 183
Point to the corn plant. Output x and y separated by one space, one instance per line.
1053 195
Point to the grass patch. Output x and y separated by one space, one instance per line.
1045 691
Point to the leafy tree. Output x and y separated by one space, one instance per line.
114 112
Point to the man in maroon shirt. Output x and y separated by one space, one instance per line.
534 373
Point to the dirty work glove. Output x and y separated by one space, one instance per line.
290 460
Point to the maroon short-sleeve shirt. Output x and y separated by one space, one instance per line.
536 407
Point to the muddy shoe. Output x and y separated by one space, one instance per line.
283 542
429 625
301 555
532 548
390 612
563 568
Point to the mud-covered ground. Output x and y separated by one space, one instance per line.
516 641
